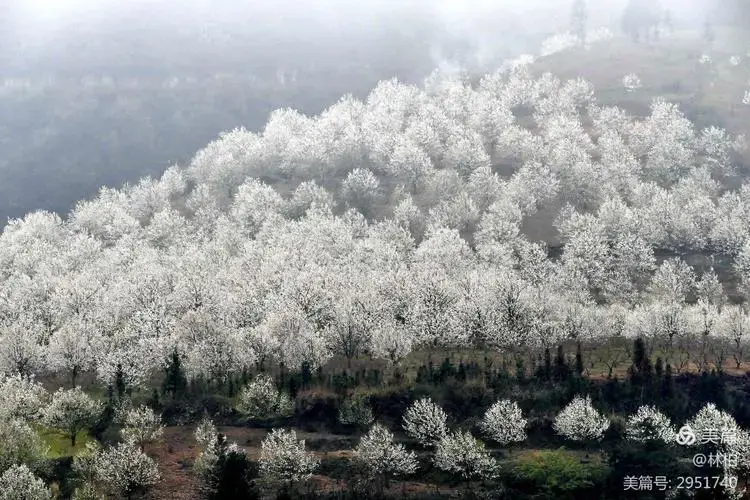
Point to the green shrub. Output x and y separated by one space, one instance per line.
556 474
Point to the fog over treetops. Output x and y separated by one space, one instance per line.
102 93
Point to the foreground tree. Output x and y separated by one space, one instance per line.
141 425
21 397
71 411
380 459
460 453
221 468
504 422
283 462
20 444
19 483
261 400
580 421
710 423
124 470
426 422
649 424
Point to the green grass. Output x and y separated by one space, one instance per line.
59 442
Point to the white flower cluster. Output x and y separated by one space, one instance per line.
649 424
460 453
426 422
119 470
379 456
142 425
283 458
261 400
631 82
558 43
580 421
504 422
19 483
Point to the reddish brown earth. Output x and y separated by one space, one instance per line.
177 451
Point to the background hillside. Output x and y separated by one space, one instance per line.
107 98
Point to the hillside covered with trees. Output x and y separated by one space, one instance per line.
496 286
382 229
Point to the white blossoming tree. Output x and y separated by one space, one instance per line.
20 444
205 433
709 424
124 470
580 421
71 411
19 483
462 454
142 425
649 424
631 82
426 422
504 423
380 458
261 400
21 397
740 448
284 461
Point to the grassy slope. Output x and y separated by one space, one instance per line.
668 68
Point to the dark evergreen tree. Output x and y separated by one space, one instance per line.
579 360
232 475
175 381
120 382
561 370
668 386
520 370
547 364
306 374
659 368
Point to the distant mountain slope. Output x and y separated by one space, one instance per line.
709 94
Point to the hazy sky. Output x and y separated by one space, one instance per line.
40 33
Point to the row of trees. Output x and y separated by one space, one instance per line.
285 464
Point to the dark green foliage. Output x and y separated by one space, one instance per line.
561 370
520 371
579 360
120 382
343 382
306 375
233 475
557 474
175 381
